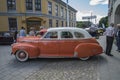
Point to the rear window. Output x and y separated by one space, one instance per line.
79 35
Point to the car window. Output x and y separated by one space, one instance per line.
51 35
79 35
66 34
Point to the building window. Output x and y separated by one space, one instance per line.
66 13
11 5
66 24
38 5
50 22
49 7
56 23
62 12
12 24
56 10
69 15
62 23
29 5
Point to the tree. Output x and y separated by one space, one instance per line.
104 20
83 24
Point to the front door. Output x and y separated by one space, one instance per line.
49 45
33 23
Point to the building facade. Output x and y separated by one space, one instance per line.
34 13
114 11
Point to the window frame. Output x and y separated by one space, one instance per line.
72 36
62 12
56 10
37 5
57 23
49 7
50 22
12 24
53 37
83 36
29 5
13 6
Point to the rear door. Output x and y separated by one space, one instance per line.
67 44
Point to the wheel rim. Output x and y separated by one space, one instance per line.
84 58
21 55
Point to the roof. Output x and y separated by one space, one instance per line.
65 28
70 29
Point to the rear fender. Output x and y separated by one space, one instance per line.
32 50
87 49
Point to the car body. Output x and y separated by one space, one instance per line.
58 42
6 38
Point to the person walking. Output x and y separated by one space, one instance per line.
32 31
22 32
109 39
15 35
118 37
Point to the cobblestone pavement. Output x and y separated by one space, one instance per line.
46 69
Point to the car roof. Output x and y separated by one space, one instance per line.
70 29
65 28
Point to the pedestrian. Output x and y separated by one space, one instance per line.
22 32
15 35
32 32
93 30
118 37
109 39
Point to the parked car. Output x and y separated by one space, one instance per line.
58 42
6 38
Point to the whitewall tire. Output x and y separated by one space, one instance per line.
21 55
84 58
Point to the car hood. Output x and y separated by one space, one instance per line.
29 38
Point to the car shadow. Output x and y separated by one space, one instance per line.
57 61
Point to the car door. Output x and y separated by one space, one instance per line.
67 44
49 45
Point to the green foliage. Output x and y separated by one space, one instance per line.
83 24
104 21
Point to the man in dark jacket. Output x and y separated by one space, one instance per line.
118 38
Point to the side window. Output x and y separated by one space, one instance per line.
79 35
51 35
66 34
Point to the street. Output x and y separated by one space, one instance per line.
101 67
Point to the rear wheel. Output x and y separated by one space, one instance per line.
21 55
84 58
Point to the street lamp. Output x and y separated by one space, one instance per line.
67 13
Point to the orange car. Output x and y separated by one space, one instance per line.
58 43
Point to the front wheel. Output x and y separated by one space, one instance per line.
21 55
84 58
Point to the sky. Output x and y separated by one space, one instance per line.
88 7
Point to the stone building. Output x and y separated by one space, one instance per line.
114 11
34 13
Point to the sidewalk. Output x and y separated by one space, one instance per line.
109 67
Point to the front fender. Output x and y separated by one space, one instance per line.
88 49
32 50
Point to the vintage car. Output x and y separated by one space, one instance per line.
61 42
